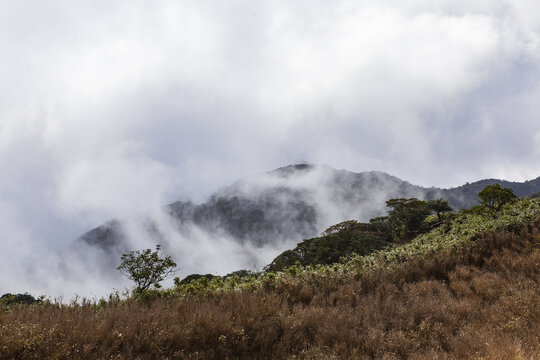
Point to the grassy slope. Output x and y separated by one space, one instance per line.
470 290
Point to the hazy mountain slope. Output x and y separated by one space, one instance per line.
465 196
292 201
290 204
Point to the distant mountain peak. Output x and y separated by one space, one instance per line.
292 169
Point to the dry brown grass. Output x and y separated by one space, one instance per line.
478 305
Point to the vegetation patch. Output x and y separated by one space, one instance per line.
459 232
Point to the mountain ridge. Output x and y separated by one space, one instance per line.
295 202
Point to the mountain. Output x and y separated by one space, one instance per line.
286 205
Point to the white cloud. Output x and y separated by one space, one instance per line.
119 182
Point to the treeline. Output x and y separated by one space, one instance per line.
406 219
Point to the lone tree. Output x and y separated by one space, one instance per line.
146 268
495 196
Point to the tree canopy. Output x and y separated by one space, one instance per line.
407 214
406 218
146 268
495 196
439 206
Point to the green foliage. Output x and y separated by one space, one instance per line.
348 225
407 216
285 259
146 268
495 196
379 224
439 206
475 210
25 299
339 240
459 233
192 277
240 274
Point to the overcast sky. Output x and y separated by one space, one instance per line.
112 108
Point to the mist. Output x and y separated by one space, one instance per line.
113 110
247 224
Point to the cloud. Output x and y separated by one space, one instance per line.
114 109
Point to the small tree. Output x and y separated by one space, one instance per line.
146 268
439 206
495 196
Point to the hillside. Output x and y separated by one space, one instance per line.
469 290
281 208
